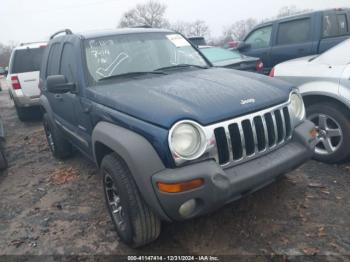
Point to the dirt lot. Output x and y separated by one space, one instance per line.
51 207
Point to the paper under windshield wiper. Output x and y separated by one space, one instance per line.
132 74
180 66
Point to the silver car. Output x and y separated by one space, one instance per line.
324 82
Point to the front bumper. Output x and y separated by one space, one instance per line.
222 186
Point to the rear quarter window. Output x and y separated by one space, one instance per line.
342 24
335 24
27 60
296 31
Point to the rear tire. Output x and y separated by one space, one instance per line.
135 222
22 113
60 147
334 131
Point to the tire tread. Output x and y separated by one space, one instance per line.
145 224
63 148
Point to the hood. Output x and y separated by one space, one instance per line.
205 96
304 70
301 61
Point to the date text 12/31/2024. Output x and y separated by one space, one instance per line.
173 258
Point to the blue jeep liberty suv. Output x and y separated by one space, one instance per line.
174 137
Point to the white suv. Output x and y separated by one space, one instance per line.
23 77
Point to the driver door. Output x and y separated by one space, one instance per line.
67 103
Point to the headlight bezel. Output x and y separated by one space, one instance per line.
297 119
177 156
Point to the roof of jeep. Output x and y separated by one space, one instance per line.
122 31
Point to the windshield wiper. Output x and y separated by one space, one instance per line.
180 66
132 74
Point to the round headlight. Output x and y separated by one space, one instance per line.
186 141
297 106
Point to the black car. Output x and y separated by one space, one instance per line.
197 40
3 162
233 59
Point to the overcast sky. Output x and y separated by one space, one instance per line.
33 20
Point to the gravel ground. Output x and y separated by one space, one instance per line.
49 207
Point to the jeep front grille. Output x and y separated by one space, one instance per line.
250 136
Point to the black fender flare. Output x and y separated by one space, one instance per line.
139 155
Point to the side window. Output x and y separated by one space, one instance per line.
342 24
260 38
293 32
53 60
68 64
334 24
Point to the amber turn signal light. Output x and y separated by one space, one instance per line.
180 187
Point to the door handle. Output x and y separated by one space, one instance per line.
301 50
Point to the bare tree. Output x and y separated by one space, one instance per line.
151 14
199 28
196 28
180 26
239 29
5 53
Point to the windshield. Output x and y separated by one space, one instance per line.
144 52
216 54
338 55
27 60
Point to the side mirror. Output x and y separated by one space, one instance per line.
243 46
57 84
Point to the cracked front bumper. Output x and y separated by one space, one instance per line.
222 186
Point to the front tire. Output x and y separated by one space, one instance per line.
59 146
333 126
135 222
